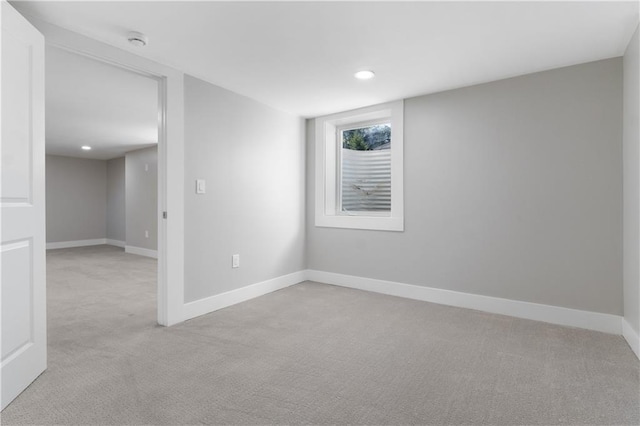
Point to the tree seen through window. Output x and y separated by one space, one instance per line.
369 138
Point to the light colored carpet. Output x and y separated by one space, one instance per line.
309 354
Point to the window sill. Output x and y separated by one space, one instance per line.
361 222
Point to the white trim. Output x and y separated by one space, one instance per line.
141 251
631 337
606 323
116 243
326 162
219 301
170 158
85 243
77 243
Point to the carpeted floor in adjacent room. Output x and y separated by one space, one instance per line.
308 354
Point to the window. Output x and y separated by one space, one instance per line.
365 169
359 169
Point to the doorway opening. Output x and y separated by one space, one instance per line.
104 127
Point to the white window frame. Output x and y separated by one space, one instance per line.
328 163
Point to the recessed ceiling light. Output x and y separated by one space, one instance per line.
364 75
86 147
137 39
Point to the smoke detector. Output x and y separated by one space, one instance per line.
137 39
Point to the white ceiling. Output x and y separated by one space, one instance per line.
300 56
88 102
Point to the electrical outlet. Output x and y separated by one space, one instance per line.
146 234
235 261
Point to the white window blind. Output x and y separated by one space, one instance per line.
366 180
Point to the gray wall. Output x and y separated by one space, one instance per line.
116 214
631 184
513 189
141 171
252 158
76 198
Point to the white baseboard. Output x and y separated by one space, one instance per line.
631 337
77 243
219 301
116 243
141 251
606 323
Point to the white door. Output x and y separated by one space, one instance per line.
22 207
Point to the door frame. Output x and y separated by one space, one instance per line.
170 298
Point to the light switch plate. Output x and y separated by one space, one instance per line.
200 186
235 261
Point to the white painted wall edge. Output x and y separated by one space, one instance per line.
606 323
116 243
77 243
631 337
223 300
141 251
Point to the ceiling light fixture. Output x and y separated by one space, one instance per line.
137 39
364 75
86 147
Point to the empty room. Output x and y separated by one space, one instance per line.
354 213
101 138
